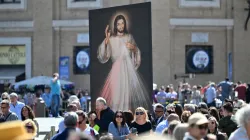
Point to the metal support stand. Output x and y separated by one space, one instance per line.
184 76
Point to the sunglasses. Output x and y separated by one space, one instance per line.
118 116
4 98
29 127
158 111
204 126
139 113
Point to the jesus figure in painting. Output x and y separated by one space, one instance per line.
123 86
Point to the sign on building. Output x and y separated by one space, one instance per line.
198 37
12 55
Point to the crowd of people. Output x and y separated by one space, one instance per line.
213 112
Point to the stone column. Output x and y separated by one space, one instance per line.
43 38
161 42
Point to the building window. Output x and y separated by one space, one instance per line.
84 3
13 4
83 0
9 1
199 3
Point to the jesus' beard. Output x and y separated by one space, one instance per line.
120 31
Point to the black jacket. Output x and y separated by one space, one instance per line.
106 117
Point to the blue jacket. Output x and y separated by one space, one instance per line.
64 135
118 135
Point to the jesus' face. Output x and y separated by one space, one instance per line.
120 25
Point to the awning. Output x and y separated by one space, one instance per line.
8 75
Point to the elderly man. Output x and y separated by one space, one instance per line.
164 124
15 105
104 115
7 115
70 122
172 126
70 108
197 127
242 117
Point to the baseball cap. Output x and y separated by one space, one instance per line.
197 119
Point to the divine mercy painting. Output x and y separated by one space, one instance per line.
124 87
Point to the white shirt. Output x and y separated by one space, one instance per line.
239 134
87 131
17 109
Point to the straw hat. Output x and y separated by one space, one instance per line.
197 119
14 130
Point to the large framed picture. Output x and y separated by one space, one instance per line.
121 56
81 60
199 59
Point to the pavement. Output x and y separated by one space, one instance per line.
45 125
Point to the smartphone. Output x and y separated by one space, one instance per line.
134 130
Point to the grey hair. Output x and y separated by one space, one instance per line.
242 116
71 119
73 98
7 102
172 125
80 135
180 130
13 94
101 100
5 94
190 107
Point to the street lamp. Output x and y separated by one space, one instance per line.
248 16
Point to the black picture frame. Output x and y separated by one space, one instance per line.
78 67
199 59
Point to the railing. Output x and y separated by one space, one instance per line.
47 135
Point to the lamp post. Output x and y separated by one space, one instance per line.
248 16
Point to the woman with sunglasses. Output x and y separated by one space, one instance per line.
141 122
213 129
118 127
30 127
5 96
27 113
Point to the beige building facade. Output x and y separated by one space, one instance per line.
50 28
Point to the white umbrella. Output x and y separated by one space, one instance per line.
39 80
